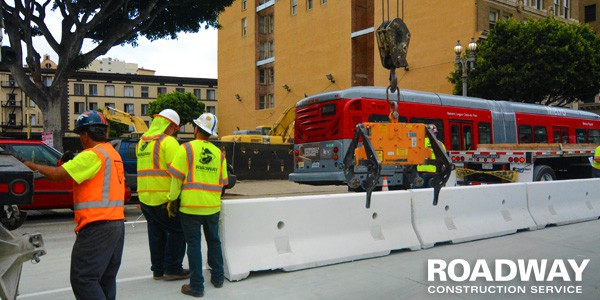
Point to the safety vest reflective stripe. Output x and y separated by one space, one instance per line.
156 156
162 173
105 202
200 186
221 181
190 158
175 173
99 204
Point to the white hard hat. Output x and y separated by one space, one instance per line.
170 115
208 123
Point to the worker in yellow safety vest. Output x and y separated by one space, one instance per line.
596 163
199 173
99 196
155 152
428 171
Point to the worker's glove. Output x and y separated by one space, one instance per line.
173 208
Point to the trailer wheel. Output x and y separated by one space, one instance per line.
543 173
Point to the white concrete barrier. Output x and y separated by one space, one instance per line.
563 202
292 233
470 213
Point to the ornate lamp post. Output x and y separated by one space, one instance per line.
465 64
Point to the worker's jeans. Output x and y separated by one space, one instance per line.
166 240
192 224
595 173
96 258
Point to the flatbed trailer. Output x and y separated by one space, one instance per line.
502 163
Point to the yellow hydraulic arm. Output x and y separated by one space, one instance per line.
122 117
284 126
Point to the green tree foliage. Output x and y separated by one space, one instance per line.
541 61
106 23
185 104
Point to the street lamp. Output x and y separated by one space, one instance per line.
465 64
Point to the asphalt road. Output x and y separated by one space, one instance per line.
400 275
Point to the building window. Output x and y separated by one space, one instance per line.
506 17
31 103
493 18
128 91
244 27
33 120
266 50
79 89
93 88
266 101
567 9
211 109
210 95
556 7
145 92
198 93
128 107
538 4
93 106
309 4
79 107
244 4
109 90
47 81
294 6
161 90
180 90
108 104
144 109
323 1
589 13
12 119
266 76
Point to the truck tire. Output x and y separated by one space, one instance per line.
543 173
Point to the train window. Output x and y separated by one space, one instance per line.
468 136
439 124
327 110
525 136
484 130
455 137
581 136
540 134
561 134
594 136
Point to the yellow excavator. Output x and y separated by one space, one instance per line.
281 132
115 115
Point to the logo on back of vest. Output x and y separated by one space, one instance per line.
206 156
144 145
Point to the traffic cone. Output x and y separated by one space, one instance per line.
384 186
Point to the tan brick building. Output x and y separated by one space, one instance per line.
20 117
273 53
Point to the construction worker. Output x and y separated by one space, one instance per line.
154 152
98 192
428 171
199 172
596 163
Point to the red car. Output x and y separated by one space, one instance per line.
46 194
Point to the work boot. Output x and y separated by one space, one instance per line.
184 274
187 289
217 283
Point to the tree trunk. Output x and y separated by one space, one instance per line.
56 114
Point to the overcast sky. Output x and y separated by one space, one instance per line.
191 55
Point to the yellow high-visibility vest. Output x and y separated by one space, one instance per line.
199 171
154 154
429 168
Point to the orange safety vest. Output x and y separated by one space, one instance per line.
101 198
